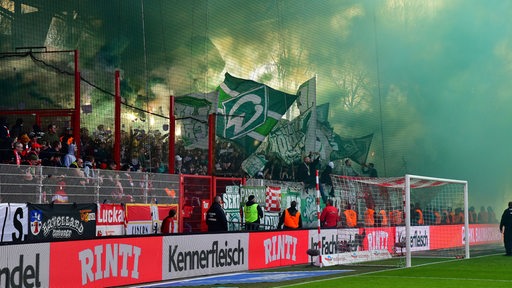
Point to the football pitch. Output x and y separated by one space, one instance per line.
486 268
481 271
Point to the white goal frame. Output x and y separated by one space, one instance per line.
407 188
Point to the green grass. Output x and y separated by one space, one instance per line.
486 268
485 271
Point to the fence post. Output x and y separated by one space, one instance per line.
146 187
97 185
40 183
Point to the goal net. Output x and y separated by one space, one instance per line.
399 220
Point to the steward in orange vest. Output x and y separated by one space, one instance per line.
437 217
369 217
417 216
396 217
290 218
383 218
350 217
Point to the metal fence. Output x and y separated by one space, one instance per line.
43 184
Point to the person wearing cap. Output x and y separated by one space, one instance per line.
35 148
253 213
178 164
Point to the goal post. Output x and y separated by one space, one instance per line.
456 194
398 220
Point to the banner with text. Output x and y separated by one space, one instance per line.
61 221
13 222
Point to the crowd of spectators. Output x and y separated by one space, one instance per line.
140 151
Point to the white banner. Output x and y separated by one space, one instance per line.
354 257
26 265
13 222
205 255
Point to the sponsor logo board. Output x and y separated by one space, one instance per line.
25 265
420 237
105 262
204 255
281 248
110 220
13 222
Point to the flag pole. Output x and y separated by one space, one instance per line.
172 136
211 144
319 239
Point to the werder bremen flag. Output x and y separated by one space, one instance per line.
191 112
248 110
354 148
306 101
287 139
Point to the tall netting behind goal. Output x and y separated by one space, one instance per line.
401 219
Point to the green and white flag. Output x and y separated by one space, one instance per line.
247 111
354 148
191 112
254 164
288 137
322 113
306 101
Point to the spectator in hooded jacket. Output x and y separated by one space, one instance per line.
70 157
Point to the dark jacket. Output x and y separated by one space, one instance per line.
306 173
506 221
325 178
216 218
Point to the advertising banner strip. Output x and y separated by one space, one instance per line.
26 265
187 256
144 219
110 220
61 221
279 248
13 222
105 262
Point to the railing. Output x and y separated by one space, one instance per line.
44 184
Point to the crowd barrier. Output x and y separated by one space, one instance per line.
125 260
103 217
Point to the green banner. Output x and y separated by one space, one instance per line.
191 112
254 164
247 111
288 138
354 148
